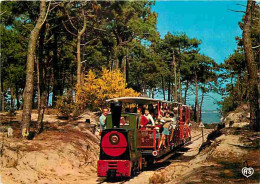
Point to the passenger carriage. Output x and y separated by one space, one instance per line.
125 148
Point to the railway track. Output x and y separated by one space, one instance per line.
198 136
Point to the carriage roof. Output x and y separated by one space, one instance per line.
137 100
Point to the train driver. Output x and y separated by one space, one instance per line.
102 119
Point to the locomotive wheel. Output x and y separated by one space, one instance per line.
150 161
135 169
111 176
140 163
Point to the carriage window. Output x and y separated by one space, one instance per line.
124 121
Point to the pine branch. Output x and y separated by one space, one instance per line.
241 5
255 47
89 41
71 21
238 11
46 13
68 29
2 13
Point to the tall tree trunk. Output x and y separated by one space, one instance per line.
1 89
120 63
163 87
12 97
232 89
17 95
195 110
61 88
3 101
186 90
179 77
33 98
48 92
41 82
41 110
64 78
55 78
252 69
175 79
201 102
28 91
80 33
127 68
38 82
169 84
197 101
169 87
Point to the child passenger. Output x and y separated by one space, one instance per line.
148 116
165 132
146 119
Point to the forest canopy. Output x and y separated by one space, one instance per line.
72 40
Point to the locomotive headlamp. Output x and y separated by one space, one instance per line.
155 153
114 139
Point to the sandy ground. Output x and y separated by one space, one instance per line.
53 157
66 152
221 162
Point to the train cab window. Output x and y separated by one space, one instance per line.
124 121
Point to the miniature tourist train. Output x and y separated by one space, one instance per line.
131 141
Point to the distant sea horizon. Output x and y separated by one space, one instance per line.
210 116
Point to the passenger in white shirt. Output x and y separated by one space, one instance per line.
148 116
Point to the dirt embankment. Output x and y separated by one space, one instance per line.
238 118
221 162
66 152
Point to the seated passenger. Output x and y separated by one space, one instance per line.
146 119
155 111
161 112
148 116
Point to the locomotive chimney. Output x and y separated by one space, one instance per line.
116 108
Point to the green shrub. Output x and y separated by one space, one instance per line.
66 106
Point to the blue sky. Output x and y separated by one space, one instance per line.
209 21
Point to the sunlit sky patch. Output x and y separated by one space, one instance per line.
212 22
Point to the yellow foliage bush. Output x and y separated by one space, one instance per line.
97 89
